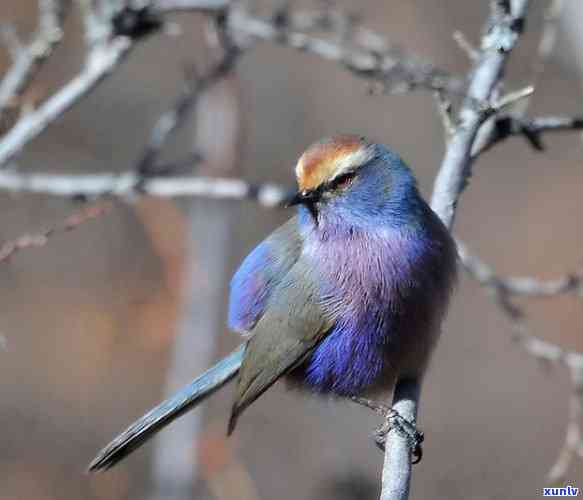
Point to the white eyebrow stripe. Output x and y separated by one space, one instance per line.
300 168
351 161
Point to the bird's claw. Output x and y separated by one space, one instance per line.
393 420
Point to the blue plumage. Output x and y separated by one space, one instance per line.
346 298
384 265
259 273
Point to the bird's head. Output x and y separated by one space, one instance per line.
349 177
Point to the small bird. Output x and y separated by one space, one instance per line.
346 298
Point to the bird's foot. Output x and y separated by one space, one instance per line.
393 420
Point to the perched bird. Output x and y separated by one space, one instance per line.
346 298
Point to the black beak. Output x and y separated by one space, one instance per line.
304 198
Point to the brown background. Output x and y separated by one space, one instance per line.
88 318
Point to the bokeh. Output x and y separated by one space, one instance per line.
89 320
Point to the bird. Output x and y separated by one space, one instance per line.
345 299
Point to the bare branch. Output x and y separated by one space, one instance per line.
363 52
360 50
464 44
501 289
105 52
368 55
445 111
573 444
29 59
174 118
10 248
530 129
130 184
339 38
500 38
510 99
166 6
109 33
503 29
269 195
524 285
11 40
547 39
99 65
396 480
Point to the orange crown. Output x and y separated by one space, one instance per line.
329 158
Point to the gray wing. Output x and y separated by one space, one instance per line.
292 325
260 273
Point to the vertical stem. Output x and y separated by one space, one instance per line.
396 485
175 457
211 228
502 31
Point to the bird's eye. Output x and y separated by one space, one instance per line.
344 180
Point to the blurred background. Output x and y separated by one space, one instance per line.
91 320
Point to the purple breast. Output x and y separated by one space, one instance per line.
377 287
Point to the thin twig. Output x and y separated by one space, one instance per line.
166 6
174 118
531 129
27 60
129 184
105 52
445 111
396 477
268 195
546 45
503 30
500 38
40 239
501 290
101 62
525 286
463 43
573 443
510 99
365 53
362 51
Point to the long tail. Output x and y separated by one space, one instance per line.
159 417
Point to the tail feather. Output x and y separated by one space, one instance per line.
159 417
